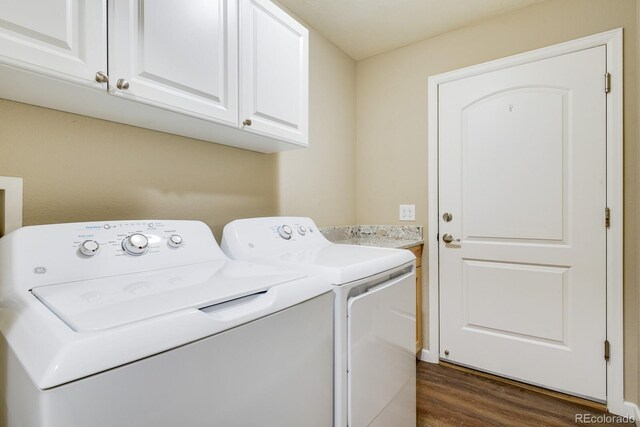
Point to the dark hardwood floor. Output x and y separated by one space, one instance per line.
447 396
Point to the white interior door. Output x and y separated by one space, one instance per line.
182 56
274 72
522 171
63 38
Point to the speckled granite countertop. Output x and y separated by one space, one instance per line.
387 236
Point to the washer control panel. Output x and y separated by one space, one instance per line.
78 251
129 238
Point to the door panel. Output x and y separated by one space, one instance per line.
535 210
531 296
523 171
66 38
274 72
178 55
200 72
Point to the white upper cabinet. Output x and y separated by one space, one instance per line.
234 72
66 39
179 55
274 70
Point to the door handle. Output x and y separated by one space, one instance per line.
448 238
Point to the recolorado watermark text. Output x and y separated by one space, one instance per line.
604 419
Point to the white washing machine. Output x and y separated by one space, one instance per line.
375 367
148 323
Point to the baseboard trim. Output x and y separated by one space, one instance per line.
427 356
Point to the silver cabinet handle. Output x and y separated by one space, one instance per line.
247 122
448 238
122 84
102 77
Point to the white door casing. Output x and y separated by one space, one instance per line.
182 56
480 230
66 39
274 70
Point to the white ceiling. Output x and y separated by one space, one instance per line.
363 28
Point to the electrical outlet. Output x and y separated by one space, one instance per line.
407 212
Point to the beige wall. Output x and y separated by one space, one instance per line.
392 112
77 168
321 181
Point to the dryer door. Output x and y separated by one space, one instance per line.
381 354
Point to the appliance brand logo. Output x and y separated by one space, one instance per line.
39 270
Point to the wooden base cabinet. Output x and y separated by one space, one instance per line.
417 251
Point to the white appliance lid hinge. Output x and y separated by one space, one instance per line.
607 217
607 83
607 350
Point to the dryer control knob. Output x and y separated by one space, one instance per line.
135 244
89 247
285 232
174 241
302 230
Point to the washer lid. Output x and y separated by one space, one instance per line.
110 302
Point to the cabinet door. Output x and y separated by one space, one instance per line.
274 72
178 55
63 38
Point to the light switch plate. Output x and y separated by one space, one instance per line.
407 212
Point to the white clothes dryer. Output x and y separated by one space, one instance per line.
148 323
375 366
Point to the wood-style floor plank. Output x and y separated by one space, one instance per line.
451 397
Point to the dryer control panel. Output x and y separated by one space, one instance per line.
273 235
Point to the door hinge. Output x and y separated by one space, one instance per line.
607 217
607 350
607 83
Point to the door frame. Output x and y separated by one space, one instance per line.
613 42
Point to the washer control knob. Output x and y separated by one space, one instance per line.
302 230
285 232
89 247
135 244
174 241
